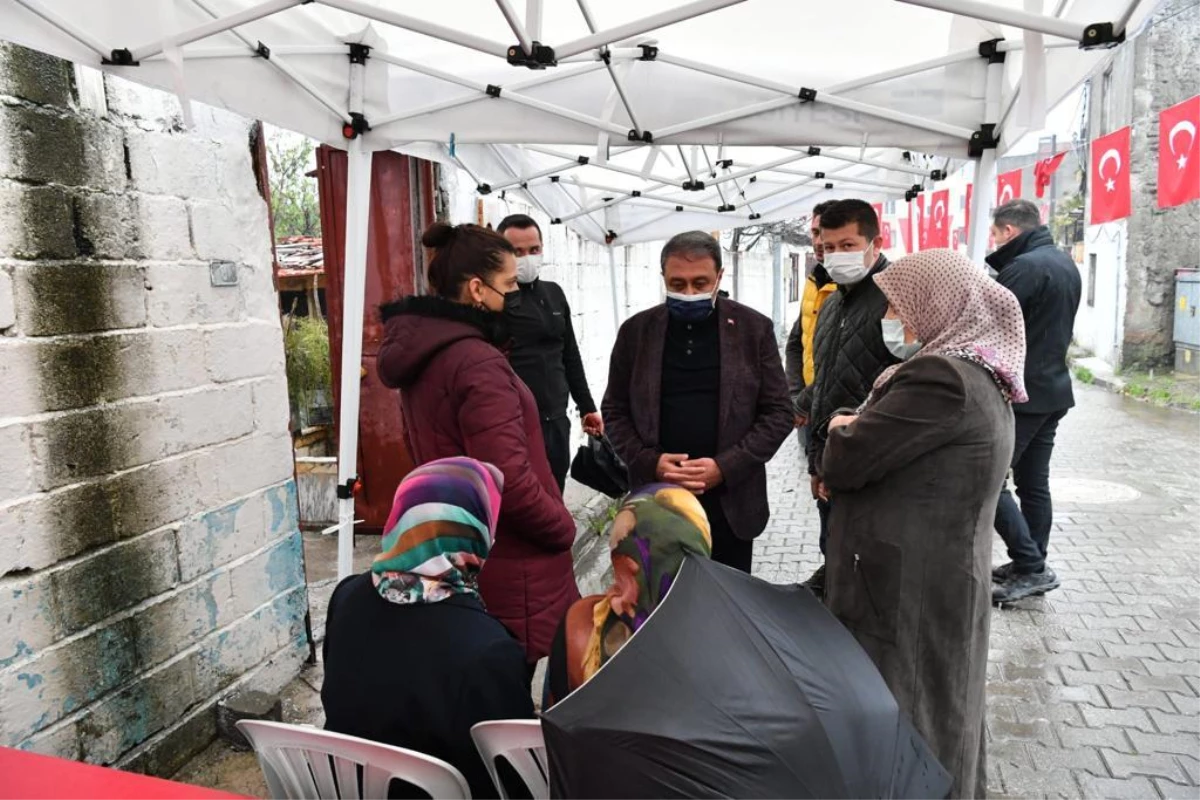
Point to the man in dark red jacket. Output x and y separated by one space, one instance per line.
697 397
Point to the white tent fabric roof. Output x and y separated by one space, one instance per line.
724 82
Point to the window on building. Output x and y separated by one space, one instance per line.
1091 294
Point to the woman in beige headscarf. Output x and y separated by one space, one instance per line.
917 471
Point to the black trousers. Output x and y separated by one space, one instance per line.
727 548
1026 529
557 433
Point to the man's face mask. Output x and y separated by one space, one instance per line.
690 307
848 268
893 339
529 267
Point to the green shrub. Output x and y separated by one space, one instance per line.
306 351
1084 375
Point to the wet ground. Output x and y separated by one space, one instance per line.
1093 691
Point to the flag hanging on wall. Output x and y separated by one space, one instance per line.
885 230
1179 154
1008 187
1109 180
967 215
922 223
906 232
939 219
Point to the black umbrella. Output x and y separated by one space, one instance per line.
735 687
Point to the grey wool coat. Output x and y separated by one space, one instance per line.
916 479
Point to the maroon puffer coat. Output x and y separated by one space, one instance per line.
460 397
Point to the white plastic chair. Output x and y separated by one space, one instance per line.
520 741
304 762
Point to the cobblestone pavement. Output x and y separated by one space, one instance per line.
1093 690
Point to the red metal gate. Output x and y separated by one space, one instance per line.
402 206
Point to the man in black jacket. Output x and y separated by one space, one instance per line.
544 352
1046 282
848 348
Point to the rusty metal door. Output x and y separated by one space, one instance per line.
402 205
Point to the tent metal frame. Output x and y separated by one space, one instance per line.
606 49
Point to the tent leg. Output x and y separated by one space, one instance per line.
616 299
358 201
985 171
777 308
981 219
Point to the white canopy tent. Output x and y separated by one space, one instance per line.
628 120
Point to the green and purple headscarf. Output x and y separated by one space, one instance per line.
438 535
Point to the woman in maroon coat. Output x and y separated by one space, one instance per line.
460 397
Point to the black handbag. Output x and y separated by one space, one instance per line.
597 466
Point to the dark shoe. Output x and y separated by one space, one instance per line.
816 582
1019 585
1001 573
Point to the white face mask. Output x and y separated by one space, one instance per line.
893 339
528 268
847 269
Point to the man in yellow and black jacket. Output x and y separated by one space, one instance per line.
799 351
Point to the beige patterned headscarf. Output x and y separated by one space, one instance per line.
956 310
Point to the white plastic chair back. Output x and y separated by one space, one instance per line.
520 742
305 762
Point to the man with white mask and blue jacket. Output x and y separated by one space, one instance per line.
850 347
545 354
697 397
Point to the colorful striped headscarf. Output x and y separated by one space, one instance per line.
442 524
656 528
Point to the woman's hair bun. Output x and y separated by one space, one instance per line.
439 234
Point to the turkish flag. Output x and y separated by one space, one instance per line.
939 219
878 211
907 231
1044 170
1111 198
1179 154
885 230
1008 187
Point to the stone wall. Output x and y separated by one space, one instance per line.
1129 265
1167 70
150 559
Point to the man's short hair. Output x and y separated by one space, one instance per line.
691 245
820 208
840 213
1021 214
520 222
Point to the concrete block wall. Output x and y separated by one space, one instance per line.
150 556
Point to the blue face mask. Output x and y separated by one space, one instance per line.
690 307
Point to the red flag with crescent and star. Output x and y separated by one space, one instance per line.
939 219
1179 154
1111 198
1008 187
1044 171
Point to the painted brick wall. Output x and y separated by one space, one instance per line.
150 558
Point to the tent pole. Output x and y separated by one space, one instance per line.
616 300
868 162
514 22
358 199
985 170
777 306
354 290
533 19
1006 16
640 26
432 29
522 180
82 37
1123 20
219 25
